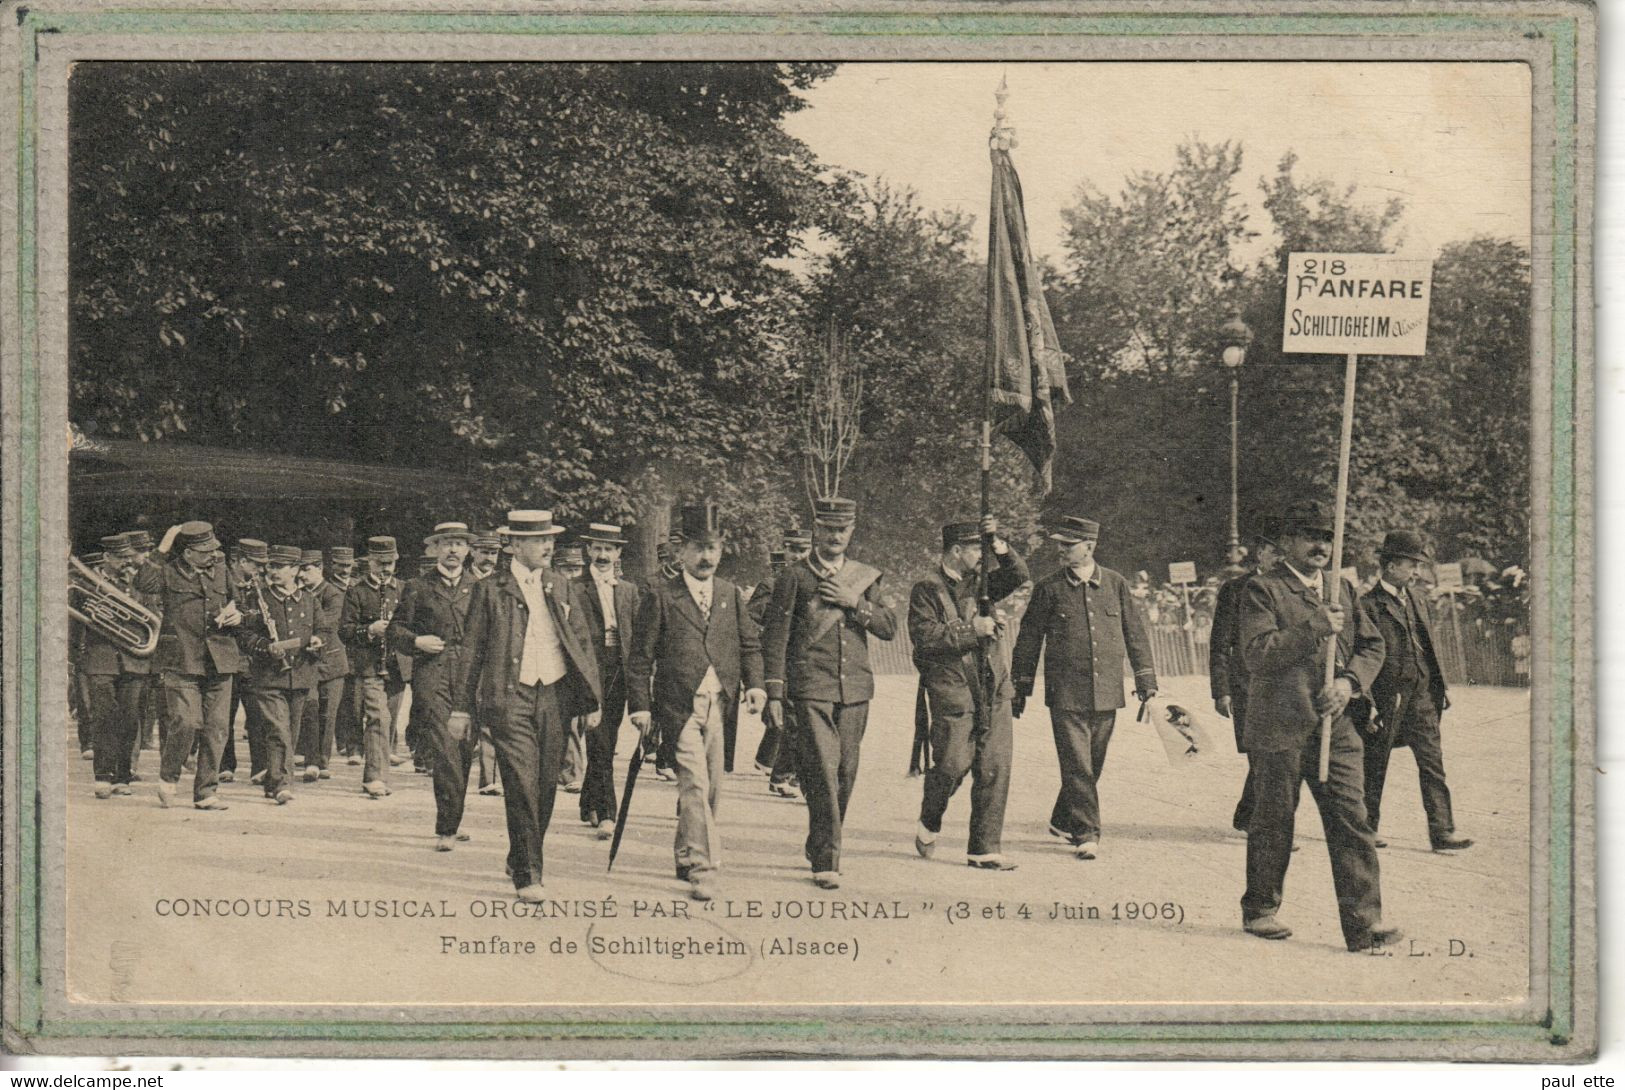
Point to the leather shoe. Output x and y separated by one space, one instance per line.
531 893
1375 939
490 789
682 872
444 843
989 862
1267 927
925 842
1059 832
284 797
375 788
703 889
606 830
311 773
213 802
1381 843
1087 849
228 776
122 789
166 793
104 789
827 879
1452 843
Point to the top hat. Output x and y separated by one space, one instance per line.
140 539
341 554
382 548
605 533
197 535
960 533
1404 545
285 554
1304 516
443 530
308 557
835 511
486 539
1070 529
253 549
531 524
700 522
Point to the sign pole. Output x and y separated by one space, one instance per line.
1332 584
1455 630
1190 625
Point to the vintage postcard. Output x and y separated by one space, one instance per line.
810 530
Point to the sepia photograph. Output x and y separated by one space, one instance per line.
757 540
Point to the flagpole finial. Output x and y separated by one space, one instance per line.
1003 137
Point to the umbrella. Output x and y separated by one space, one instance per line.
626 803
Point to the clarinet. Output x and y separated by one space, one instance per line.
270 624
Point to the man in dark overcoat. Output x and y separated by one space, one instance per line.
1084 619
966 676
1227 666
1288 625
1409 693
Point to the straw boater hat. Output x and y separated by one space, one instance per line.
449 530
531 524
605 533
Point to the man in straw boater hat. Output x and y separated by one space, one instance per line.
430 623
966 677
528 667
1084 620
369 606
612 614
694 645
816 655
1408 694
1287 623
1227 666
320 725
197 655
283 650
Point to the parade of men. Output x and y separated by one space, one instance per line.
430 624
695 645
966 677
1408 696
612 616
815 651
1287 620
1083 619
528 666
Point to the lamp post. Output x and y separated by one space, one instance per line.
1235 335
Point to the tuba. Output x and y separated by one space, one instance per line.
97 603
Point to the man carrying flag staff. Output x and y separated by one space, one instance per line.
816 654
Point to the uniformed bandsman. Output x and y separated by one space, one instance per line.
966 675
816 655
347 728
1287 622
430 625
322 711
114 688
767 750
152 695
283 655
1086 616
247 572
369 605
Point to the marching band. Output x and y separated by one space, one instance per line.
523 656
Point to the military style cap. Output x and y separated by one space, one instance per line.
1070 529
569 554
835 511
531 524
254 549
443 530
197 535
700 522
91 560
663 553
310 556
797 538
341 554
382 548
1305 516
285 554
486 539
961 533
1404 545
116 545
778 557
140 539
605 533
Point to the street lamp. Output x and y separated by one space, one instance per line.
1234 336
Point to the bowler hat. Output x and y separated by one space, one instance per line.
254 549
382 548
605 533
285 554
700 522
197 535
1070 529
1305 516
960 533
443 530
531 524
1404 545
835 511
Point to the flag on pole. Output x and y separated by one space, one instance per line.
1025 369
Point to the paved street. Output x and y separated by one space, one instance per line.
1167 852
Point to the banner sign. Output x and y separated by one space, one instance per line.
1447 576
1182 571
1371 304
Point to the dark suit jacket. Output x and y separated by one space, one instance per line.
804 658
429 607
1226 666
364 604
188 641
329 617
1086 644
1282 630
945 644
628 600
494 645
294 618
676 644
1401 672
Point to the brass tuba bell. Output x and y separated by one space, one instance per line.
97 603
